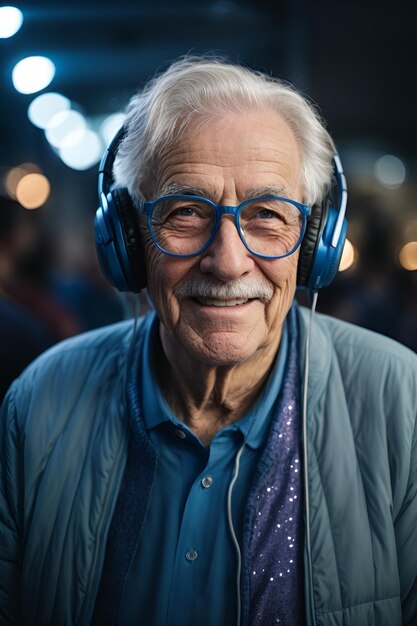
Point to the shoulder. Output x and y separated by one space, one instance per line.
75 356
355 345
374 376
76 374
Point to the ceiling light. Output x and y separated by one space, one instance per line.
33 74
15 174
408 256
11 20
42 109
32 191
110 126
348 256
83 155
390 171
65 129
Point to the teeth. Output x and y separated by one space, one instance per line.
210 302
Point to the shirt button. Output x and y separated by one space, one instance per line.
180 433
191 554
207 481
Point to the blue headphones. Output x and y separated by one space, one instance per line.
121 255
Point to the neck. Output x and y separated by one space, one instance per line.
209 397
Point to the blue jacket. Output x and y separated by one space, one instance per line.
64 438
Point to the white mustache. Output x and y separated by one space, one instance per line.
240 289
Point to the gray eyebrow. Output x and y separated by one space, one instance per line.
188 190
181 189
266 190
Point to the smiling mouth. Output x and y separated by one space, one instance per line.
211 302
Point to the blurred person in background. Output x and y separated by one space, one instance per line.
22 334
46 299
229 458
77 281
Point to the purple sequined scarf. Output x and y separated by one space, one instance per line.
272 551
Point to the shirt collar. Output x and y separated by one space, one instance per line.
155 410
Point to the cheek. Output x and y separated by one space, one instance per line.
158 282
163 274
283 275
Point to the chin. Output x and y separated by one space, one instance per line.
222 349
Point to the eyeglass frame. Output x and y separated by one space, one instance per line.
147 207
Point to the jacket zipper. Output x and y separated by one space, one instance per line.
311 614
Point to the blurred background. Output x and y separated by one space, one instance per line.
68 69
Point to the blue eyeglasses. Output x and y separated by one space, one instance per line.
270 227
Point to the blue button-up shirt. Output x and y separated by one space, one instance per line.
185 569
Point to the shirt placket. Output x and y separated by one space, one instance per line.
192 559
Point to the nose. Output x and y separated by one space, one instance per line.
227 258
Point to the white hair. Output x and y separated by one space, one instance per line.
206 87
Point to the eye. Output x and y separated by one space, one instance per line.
175 210
266 214
186 211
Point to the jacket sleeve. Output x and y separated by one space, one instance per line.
10 515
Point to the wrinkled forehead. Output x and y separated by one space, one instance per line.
254 153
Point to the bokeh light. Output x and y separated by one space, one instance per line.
33 190
390 171
33 74
84 154
408 256
65 129
42 109
348 256
11 20
15 174
410 231
110 126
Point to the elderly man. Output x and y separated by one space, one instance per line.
187 470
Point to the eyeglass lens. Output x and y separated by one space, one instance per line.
269 227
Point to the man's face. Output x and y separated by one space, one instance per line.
226 159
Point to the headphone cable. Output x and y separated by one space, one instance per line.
232 530
305 452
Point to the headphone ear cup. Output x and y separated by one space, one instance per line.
118 242
309 245
131 237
